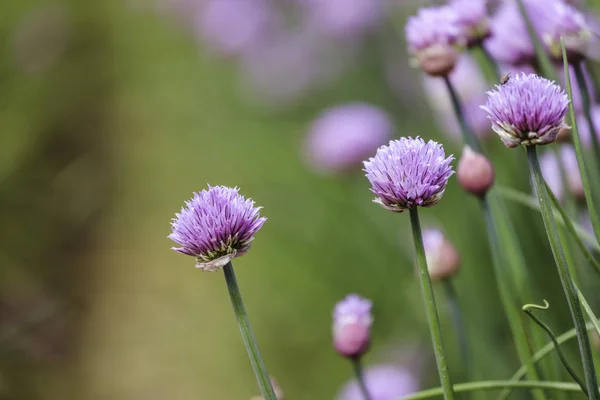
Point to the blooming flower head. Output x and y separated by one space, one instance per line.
443 259
383 382
408 173
527 110
472 17
435 39
215 226
352 322
341 137
510 42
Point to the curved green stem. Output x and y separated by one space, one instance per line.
260 371
492 385
360 378
563 271
539 355
527 308
430 307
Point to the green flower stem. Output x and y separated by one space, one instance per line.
430 307
260 371
504 252
360 378
528 310
565 277
459 324
581 162
539 355
493 385
468 136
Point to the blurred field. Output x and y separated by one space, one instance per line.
102 147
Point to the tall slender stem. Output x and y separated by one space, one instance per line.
468 135
563 271
430 307
504 252
360 378
260 371
559 352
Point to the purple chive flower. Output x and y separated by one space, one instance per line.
472 19
527 110
551 170
384 382
470 84
352 322
408 173
341 137
215 226
509 42
435 39
443 259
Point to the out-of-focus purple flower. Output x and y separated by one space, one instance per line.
551 170
215 226
509 42
473 20
408 173
384 382
567 22
352 322
575 90
527 110
344 19
435 39
443 260
341 137
288 66
232 27
470 85
584 129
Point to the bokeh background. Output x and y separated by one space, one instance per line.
113 112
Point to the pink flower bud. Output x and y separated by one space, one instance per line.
352 321
475 173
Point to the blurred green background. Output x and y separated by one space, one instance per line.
111 114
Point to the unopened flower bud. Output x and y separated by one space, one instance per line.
352 321
475 172
443 260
